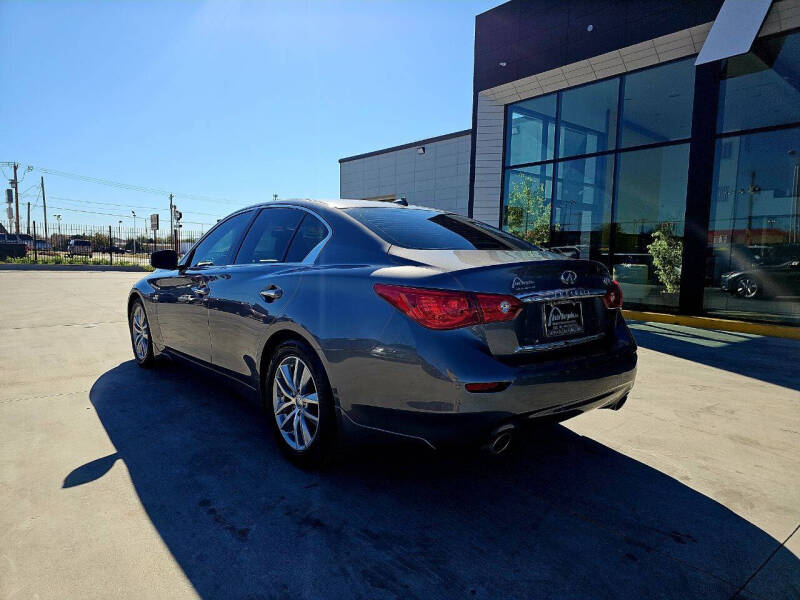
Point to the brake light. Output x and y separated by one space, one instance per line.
613 297
449 309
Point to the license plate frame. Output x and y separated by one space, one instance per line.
569 323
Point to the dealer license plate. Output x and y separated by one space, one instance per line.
562 318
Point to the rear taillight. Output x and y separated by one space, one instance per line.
449 309
613 297
487 388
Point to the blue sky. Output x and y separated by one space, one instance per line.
221 99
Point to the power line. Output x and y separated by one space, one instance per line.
157 209
92 212
134 187
135 206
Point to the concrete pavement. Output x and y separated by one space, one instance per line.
119 482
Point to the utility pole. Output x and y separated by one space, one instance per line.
28 226
16 199
44 208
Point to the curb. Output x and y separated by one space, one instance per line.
781 331
46 267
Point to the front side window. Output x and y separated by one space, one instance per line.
216 247
270 236
430 230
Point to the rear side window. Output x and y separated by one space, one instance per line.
428 230
312 231
270 236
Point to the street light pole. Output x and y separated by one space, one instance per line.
16 199
133 214
58 218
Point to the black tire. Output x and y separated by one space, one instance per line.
320 450
144 359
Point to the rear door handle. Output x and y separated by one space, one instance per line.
271 293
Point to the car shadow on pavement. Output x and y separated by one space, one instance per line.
769 359
563 517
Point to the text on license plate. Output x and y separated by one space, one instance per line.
562 318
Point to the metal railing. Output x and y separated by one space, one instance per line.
92 244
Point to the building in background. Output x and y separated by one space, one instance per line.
599 133
432 172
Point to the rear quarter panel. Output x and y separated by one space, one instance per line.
375 355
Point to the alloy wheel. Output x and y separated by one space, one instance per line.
747 287
140 332
295 403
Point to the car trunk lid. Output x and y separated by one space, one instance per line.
562 298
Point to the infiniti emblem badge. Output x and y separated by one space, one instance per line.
569 277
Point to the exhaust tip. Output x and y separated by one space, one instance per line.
500 440
500 443
618 404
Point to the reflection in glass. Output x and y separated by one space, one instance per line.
531 130
754 230
527 202
648 224
582 209
657 104
762 87
588 118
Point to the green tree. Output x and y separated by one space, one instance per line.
100 240
666 250
528 212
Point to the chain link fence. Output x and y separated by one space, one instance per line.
91 244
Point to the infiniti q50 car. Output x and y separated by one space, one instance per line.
353 317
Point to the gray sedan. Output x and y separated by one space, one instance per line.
352 318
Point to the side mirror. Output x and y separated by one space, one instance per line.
164 259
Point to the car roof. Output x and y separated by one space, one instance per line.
339 203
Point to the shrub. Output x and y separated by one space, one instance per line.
667 250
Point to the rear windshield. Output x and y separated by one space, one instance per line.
428 230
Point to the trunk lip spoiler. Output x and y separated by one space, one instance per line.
561 294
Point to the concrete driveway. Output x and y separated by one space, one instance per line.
119 482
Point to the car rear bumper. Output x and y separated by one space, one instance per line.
550 389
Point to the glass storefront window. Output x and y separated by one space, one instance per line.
753 259
527 203
565 176
588 118
648 224
762 87
657 104
582 209
531 130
